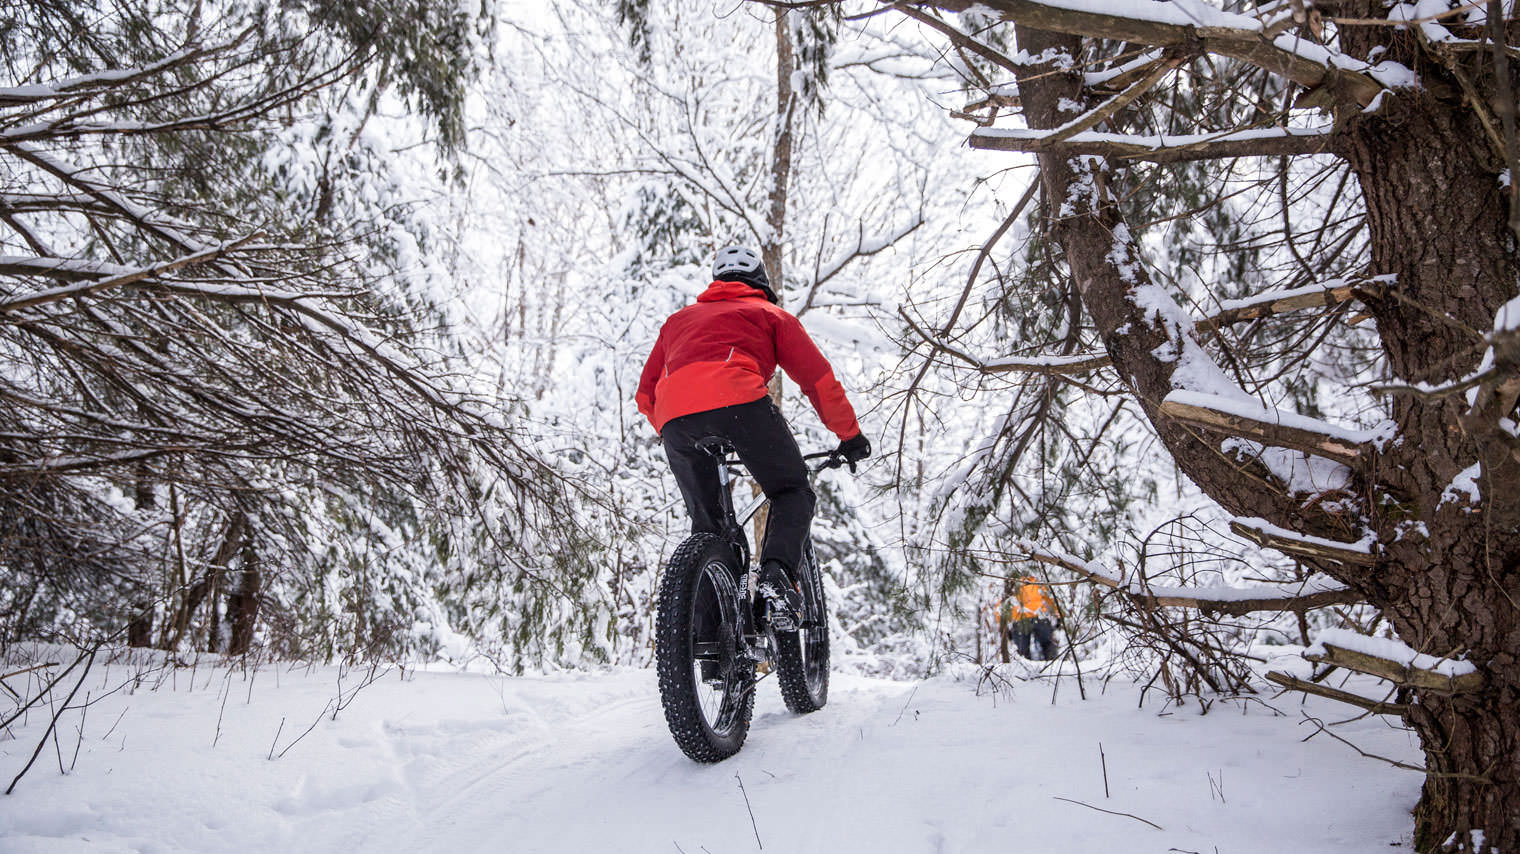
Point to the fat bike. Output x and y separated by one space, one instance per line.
712 637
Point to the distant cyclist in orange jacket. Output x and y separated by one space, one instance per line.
1033 618
707 375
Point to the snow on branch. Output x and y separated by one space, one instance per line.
67 269
102 81
1267 535
67 463
864 247
1265 142
1078 364
1315 592
1274 302
81 269
175 233
1267 304
1394 661
1331 75
1268 426
1104 111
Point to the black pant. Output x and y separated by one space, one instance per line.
1042 632
764 443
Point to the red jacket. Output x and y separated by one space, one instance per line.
724 349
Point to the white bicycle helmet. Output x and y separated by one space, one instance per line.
736 259
741 264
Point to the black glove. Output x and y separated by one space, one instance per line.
854 449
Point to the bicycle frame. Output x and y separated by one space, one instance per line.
721 451
734 522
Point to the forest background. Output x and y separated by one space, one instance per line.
322 322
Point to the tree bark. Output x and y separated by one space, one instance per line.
1438 221
775 215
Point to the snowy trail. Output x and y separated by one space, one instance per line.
582 762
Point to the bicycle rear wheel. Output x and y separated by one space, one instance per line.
802 657
706 682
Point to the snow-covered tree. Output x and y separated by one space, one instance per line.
1399 485
222 413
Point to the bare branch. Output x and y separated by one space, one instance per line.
1233 602
1293 683
119 280
1281 302
1050 365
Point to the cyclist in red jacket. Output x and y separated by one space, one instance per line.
707 376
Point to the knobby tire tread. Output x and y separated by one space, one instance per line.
673 656
791 667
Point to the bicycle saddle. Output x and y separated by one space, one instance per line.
714 445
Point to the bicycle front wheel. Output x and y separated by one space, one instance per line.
802 657
706 682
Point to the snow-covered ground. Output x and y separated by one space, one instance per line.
580 762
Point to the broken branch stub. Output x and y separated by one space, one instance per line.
1398 673
1327 445
1293 683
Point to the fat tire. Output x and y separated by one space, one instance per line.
802 656
688 584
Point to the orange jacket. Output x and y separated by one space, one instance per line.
1033 602
724 349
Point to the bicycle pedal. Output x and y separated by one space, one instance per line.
782 619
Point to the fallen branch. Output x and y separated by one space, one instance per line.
1326 730
53 723
751 810
1110 812
43 666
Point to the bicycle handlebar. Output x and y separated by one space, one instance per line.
832 459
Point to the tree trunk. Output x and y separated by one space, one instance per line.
206 585
775 215
243 601
1437 218
781 152
140 621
